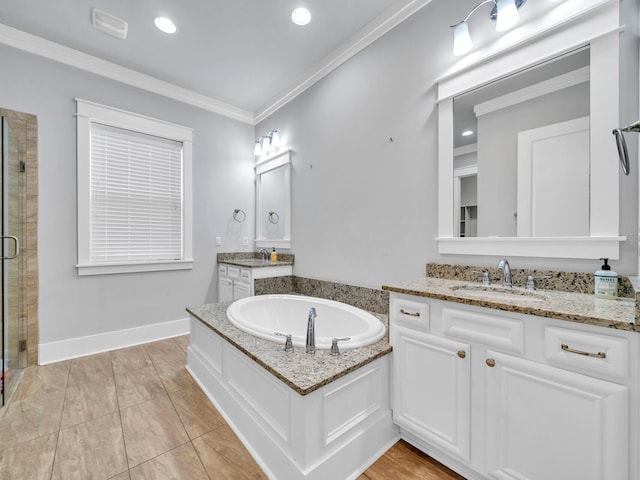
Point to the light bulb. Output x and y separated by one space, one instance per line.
165 25
266 143
461 39
257 150
507 15
301 16
275 138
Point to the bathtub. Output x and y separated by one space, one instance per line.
266 315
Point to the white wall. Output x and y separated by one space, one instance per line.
72 306
365 208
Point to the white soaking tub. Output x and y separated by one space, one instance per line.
266 315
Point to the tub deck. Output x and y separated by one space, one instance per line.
302 372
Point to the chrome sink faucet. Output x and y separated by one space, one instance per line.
503 266
310 346
264 254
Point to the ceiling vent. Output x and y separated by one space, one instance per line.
109 24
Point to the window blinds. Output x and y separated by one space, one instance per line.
136 197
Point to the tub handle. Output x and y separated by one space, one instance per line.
288 344
334 345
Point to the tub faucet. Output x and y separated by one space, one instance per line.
310 346
503 265
264 254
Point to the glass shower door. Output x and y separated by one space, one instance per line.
11 261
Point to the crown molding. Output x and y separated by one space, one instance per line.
385 22
54 51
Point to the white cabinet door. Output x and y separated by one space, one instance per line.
431 389
225 289
544 423
241 290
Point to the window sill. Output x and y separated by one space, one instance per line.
114 268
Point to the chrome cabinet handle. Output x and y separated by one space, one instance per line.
404 312
17 248
566 348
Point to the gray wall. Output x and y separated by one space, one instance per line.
72 306
365 208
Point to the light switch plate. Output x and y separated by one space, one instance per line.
218 241
245 241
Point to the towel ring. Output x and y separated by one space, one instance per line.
239 215
274 217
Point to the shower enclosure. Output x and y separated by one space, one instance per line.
12 263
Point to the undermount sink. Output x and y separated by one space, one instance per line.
488 292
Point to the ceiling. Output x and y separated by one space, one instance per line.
244 53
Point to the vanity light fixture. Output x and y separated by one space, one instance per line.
165 25
267 142
301 16
504 13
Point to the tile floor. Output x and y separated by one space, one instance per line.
136 413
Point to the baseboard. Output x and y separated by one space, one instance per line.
80 346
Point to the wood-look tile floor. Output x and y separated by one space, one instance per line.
136 413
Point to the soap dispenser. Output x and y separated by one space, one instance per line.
274 255
606 281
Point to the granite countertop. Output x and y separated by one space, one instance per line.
255 262
301 371
574 307
254 259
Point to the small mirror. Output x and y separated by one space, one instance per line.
273 201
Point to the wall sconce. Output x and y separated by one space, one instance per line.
267 143
504 13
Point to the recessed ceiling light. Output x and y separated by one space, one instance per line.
466 133
301 16
165 25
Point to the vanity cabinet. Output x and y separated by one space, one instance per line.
544 422
433 402
501 395
235 282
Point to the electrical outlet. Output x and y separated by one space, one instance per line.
218 241
245 241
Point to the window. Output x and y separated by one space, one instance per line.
134 192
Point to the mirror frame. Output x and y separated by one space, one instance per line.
599 30
280 159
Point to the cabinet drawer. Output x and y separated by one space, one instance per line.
233 272
410 312
587 352
491 330
245 275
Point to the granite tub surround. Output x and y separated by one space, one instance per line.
561 305
369 299
302 372
254 259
